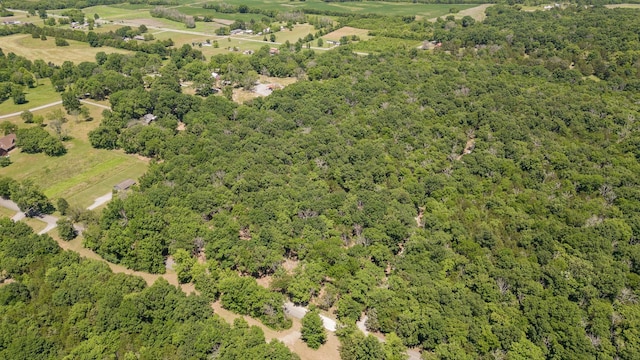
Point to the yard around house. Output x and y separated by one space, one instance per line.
83 173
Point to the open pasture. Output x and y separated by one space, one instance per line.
347 31
33 49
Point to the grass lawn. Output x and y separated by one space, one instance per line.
33 49
36 225
81 175
4 212
37 96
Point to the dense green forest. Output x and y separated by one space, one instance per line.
62 306
475 201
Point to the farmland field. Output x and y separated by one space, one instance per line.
81 175
363 34
374 7
25 45
124 11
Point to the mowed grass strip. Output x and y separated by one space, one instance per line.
93 173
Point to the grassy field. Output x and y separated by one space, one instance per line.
363 7
380 44
4 212
36 225
194 8
81 175
363 34
37 96
33 49
625 6
241 42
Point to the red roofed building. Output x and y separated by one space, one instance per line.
7 144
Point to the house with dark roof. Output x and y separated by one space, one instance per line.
7 144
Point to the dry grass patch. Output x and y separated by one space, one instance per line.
348 31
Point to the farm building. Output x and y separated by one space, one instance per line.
7 144
126 184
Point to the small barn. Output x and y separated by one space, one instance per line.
7 143
126 184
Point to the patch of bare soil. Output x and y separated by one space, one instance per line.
419 217
468 148
290 265
181 126
263 87
223 21
245 234
7 282
265 281
143 158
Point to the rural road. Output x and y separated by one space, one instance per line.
101 200
50 105
298 312
51 221
32 109
95 104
